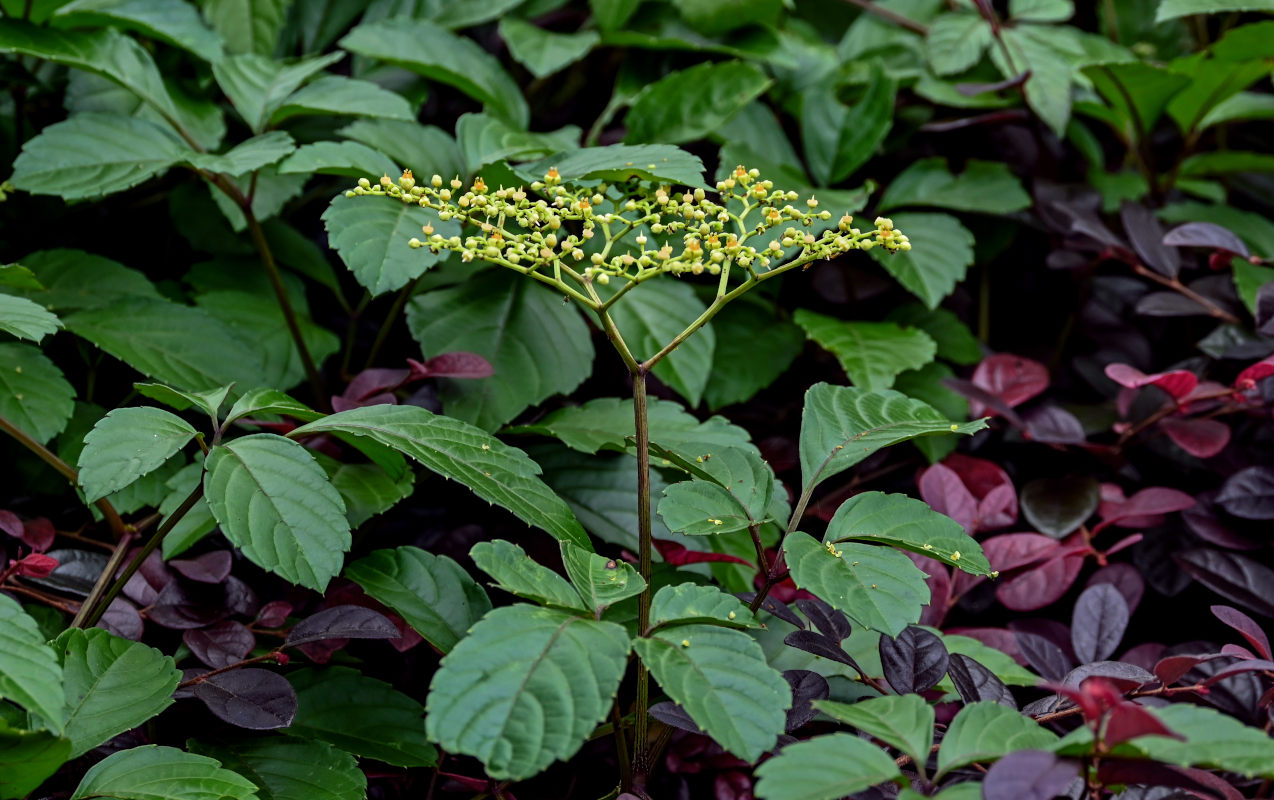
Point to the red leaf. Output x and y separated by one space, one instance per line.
1203 438
10 524
1252 665
679 555
1177 383
1170 670
371 387
1260 370
1011 378
980 475
1246 627
451 365
939 582
945 493
36 565
1129 720
38 534
1144 508
1041 586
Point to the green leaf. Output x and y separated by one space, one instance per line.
538 345
285 768
270 401
112 685
362 715
271 191
371 234
824 768
29 671
1139 92
878 587
620 162
432 593
650 317
28 758
423 148
257 86
485 141
611 14
1041 10
1248 280
172 343
601 581
351 159
1241 107
90 155
956 343
172 21
248 26
985 186
1048 89
1226 163
689 104
525 688
910 524
735 490
721 678
544 52
985 731
367 489
275 503
1252 228
839 139
941 251
19 277
1171 9
456 450
1212 81
753 349
74 279
517 573
1211 740
1001 664
26 319
715 17
337 94
871 353
699 508
956 42
34 395
209 402
126 444
692 602
151 772
428 49
926 385
901 721
198 521
245 157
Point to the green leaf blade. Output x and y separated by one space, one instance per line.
361 715
985 731
910 524
126 444
824 768
29 671
371 235
152 772
871 353
34 395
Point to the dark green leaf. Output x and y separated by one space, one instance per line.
691 602
248 26
245 157
74 279
838 138
871 353
27 758
367 489
650 317
29 672
910 524
601 581
824 768
258 86
956 343
126 444
350 159
151 772
692 103
985 186
337 94
423 148
209 402
956 42
1057 506
362 715
33 393
1171 9
902 721
941 251
985 731
371 234
753 349
545 52
517 573
617 163
26 319
172 21
292 769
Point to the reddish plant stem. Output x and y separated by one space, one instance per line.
273 655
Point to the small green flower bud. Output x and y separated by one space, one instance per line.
414 243
597 259
456 183
603 278
363 183
435 181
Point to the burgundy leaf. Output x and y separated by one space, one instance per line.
1237 650
820 645
1170 304
1144 655
123 619
1029 775
177 608
806 688
11 524
1265 310
256 699
1144 508
35 565
773 606
1205 524
238 597
1126 677
321 652
998 509
76 572
829 621
1249 493
371 387
1001 639
149 580
1202 438
1177 383
1232 576
678 555
451 365
914 661
975 683
1246 627
1040 586
1248 378
939 582
1205 234
1169 670
342 622
220 645
673 715
1009 551
1247 665
1129 720
1146 235
38 534
211 567
274 614
979 474
985 401
1013 379
1199 783
945 493
1126 579
1053 425
1045 657
1098 622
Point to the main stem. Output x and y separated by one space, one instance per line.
641 766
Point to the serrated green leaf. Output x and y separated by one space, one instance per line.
26 319
701 508
985 186
619 162
28 758
151 772
902 721
269 191
941 252
275 503
456 450
367 489
650 317
173 21
487 140
544 52
537 345
432 593
824 768
371 234
258 86
842 425
248 26
691 602
1000 663
430 50
29 672
720 677
871 353
601 581
423 148
209 402
753 350
1172 9
956 42
956 343
878 587
361 715
733 490
19 277
90 155
839 139
351 159
1240 107
172 343
1137 92
926 385
74 279
244 157
1048 88
525 688
517 573
985 731
126 444
337 94
910 524
34 395
689 104
270 401
285 768
1041 10
111 684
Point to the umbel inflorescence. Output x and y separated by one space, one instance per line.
577 229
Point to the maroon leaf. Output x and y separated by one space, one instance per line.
1177 383
1040 586
11 524
939 582
35 565
1265 310
211 567
1053 425
1232 576
176 608
943 490
1029 775
1203 438
776 607
1144 508
1246 627
274 614
1196 781
983 400
1013 379
1126 677
806 688
1009 551
1247 665
820 645
1170 304
1248 378
678 555
1045 657
1249 493
220 645
371 387
123 619
342 622
451 365
1098 622
1169 670
1205 234
1144 655
832 623
975 683
1146 235
1126 579
256 699
914 661
1001 639
38 534
673 715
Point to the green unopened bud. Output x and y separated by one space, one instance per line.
364 183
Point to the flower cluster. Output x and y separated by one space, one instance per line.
581 229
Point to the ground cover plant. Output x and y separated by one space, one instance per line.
636 399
